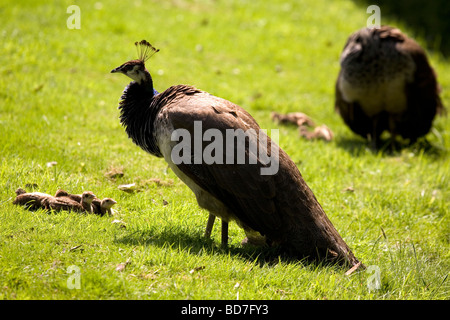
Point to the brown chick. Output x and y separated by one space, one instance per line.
31 200
63 193
20 191
86 201
320 132
62 203
98 206
297 118
104 206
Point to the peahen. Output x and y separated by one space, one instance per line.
386 84
273 209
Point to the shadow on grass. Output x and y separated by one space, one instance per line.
353 145
195 242
357 146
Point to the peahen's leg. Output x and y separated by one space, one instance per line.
209 225
224 233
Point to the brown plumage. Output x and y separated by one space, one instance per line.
104 206
386 83
85 202
39 200
320 132
85 199
98 206
276 209
20 191
63 203
296 118
31 200
63 193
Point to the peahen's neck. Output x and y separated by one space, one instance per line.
146 82
138 113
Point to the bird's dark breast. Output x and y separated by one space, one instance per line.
372 56
139 109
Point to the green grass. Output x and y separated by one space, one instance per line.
58 102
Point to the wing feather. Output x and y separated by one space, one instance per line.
241 187
280 206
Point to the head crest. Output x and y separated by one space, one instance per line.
145 50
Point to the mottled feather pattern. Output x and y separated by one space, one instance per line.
386 83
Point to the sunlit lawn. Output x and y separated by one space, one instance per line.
58 102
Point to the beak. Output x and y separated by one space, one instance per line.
118 69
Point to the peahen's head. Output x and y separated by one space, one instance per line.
135 69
